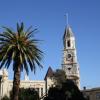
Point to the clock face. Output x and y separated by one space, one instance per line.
69 56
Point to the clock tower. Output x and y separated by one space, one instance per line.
70 63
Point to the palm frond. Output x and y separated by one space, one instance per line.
26 67
29 34
20 48
2 63
28 30
21 27
8 30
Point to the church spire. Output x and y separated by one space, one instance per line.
68 32
70 63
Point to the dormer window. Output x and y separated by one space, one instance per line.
68 43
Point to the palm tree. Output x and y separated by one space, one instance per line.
20 49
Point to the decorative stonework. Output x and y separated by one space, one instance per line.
70 63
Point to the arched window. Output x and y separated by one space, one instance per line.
68 43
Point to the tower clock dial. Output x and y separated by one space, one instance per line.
69 56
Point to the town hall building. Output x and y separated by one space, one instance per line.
69 65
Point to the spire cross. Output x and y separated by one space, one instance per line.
66 17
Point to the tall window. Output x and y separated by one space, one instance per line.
68 43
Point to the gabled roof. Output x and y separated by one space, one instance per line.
68 32
49 73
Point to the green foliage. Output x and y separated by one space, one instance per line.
28 94
68 91
59 77
5 98
25 94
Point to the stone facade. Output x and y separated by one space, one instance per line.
6 85
70 63
92 94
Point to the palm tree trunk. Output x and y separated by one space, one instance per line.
16 83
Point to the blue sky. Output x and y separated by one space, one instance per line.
48 17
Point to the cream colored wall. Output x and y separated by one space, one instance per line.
26 84
6 84
49 83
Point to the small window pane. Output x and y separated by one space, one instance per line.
98 96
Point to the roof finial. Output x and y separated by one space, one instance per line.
66 16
